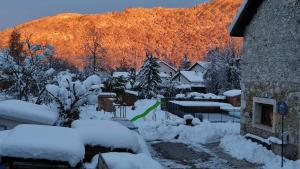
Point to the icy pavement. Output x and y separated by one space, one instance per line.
174 155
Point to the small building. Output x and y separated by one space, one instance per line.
129 97
233 97
106 101
16 112
270 70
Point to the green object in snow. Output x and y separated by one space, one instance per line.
146 112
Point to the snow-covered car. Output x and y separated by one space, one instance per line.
41 147
107 136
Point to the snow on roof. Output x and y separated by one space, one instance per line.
106 133
183 86
121 74
108 94
45 143
132 92
199 103
192 76
231 93
17 109
197 95
125 161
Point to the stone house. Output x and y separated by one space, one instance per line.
270 70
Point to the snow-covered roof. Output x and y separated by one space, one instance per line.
197 95
132 92
200 104
192 76
44 143
232 93
3 135
106 133
29 112
110 94
121 74
243 17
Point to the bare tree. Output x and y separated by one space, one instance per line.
94 49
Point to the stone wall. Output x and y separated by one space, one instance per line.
271 66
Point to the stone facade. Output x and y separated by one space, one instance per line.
271 69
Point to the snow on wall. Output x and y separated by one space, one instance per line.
22 110
43 142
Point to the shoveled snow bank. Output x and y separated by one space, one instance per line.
43 142
243 149
105 133
231 93
203 132
125 161
22 110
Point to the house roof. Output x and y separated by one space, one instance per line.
167 64
191 76
203 64
244 16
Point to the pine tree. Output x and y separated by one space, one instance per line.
185 63
148 78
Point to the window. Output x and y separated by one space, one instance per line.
264 113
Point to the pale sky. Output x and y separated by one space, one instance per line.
13 12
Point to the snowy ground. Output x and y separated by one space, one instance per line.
207 145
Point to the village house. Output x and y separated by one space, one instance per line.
166 71
193 77
270 71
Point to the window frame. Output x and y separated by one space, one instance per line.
256 118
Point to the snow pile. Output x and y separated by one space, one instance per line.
243 149
90 112
188 117
91 81
206 132
18 109
44 142
125 161
232 93
106 133
203 132
269 140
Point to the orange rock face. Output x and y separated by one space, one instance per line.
167 32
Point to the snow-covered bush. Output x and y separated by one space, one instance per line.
25 67
69 94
